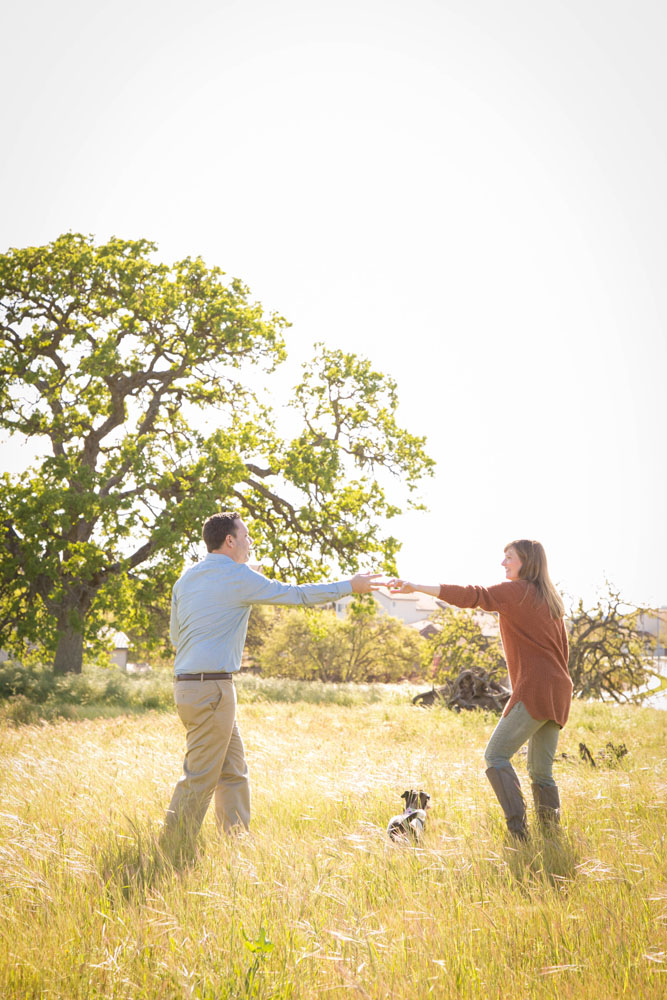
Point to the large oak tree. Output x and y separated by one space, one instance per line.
135 378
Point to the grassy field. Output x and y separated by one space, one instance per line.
316 901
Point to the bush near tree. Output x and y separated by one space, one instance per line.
460 645
133 379
366 646
260 624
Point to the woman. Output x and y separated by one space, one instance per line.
535 643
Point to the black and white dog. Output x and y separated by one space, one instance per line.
411 822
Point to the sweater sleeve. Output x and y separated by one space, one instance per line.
500 597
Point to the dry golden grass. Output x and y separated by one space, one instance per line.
89 908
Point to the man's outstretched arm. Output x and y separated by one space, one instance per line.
258 589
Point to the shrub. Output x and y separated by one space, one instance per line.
316 645
461 645
29 693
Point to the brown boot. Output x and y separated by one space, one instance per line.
547 804
505 783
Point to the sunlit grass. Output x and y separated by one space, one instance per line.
89 908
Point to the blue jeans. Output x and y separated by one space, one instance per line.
517 728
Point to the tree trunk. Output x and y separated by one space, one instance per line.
69 652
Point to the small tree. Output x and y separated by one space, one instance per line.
316 645
609 653
460 645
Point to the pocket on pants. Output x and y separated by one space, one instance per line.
196 698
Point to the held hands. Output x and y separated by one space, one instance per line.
365 583
397 586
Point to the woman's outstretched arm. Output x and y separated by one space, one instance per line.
499 597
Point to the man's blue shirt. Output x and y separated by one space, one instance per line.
210 607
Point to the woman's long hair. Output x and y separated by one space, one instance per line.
534 570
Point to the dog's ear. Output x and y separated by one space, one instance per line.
423 799
407 796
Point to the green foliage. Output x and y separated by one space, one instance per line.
260 948
260 623
609 653
315 645
461 645
116 364
29 693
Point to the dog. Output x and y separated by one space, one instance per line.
410 823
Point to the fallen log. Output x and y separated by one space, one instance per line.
472 689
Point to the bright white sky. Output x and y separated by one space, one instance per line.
469 193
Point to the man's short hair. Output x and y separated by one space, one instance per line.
218 526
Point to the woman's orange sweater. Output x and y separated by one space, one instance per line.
535 645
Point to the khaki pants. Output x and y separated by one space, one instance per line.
214 760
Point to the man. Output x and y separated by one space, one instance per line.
209 619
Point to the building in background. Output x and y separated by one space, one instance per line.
417 610
410 608
654 624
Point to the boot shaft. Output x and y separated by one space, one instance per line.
505 783
547 804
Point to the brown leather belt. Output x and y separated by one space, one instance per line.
224 676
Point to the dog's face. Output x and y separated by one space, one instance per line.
415 800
